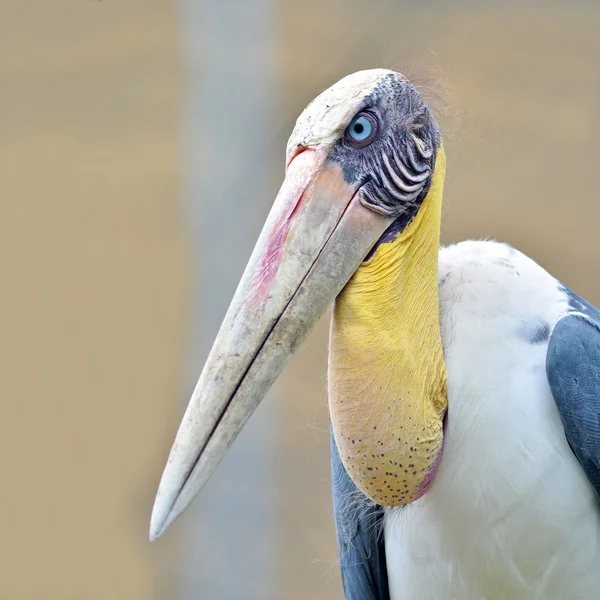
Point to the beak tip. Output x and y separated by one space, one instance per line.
165 510
156 526
171 499
159 521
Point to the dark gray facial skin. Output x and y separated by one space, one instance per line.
394 171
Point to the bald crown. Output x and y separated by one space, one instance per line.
325 118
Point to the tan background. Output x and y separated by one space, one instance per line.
96 307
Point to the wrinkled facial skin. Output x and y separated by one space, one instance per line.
394 171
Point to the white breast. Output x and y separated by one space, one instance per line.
511 515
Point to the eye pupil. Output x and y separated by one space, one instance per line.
358 128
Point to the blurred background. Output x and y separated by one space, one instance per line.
142 142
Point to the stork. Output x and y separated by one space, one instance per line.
464 382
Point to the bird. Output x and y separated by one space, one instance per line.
463 381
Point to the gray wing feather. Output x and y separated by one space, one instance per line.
573 369
359 526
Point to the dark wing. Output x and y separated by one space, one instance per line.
359 526
573 368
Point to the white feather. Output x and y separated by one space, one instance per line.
511 515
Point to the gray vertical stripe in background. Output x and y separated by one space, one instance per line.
227 534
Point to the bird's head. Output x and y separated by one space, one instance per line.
376 127
360 162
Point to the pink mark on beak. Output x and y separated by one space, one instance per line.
299 174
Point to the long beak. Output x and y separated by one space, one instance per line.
315 237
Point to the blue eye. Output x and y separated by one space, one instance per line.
361 130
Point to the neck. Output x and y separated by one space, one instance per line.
387 378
